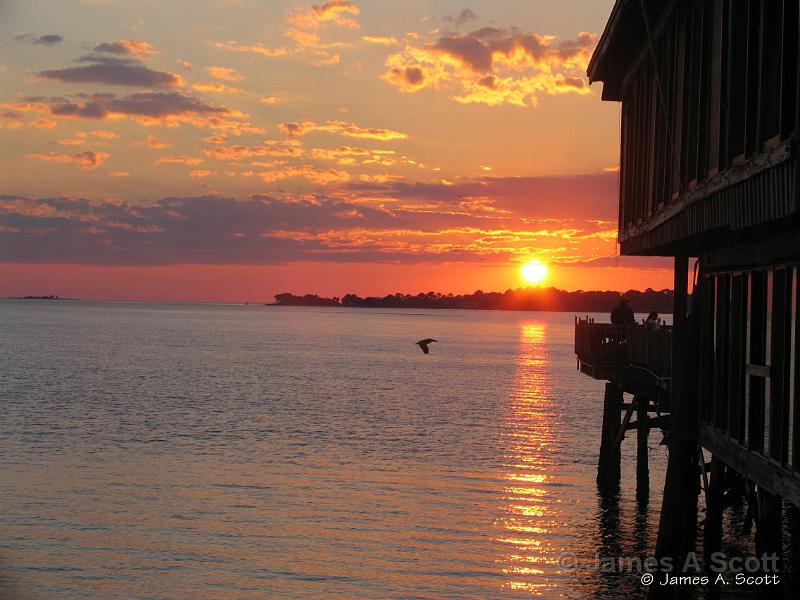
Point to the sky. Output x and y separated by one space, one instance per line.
228 150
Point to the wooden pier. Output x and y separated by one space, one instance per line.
635 360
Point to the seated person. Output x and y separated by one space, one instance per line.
652 320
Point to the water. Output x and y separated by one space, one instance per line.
179 451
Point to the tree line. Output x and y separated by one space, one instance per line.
546 299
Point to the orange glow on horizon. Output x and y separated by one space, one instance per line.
257 283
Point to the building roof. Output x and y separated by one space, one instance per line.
624 37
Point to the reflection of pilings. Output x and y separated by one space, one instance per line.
769 524
792 556
715 504
610 527
642 433
608 470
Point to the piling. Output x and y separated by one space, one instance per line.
608 467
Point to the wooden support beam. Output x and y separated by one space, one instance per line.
752 465
623 427
608 470
676 530
660 422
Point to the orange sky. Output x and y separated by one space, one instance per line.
231 149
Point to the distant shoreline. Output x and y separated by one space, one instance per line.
553 310
523 299
527 299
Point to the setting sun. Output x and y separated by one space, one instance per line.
534 271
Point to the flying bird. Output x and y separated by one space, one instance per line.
424 344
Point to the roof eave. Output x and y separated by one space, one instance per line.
597 62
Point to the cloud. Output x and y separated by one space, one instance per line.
381 178
131 47
178 160
169 108
309 172
199 173
297 129
407 78
631 262
461 18
308 45
217 87
153 142
585 197
114 71
14 120
348 155
304 25
380 219
252 48
215 139
81 137
381 40
225 73
339 12
42 124
104 134
50 39
240 152
269 100
184 64
336 11
87 159
494 66
119 174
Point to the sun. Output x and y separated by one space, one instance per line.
534 271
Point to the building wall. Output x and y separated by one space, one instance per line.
710 104
749 397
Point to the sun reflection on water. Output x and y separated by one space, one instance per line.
528 513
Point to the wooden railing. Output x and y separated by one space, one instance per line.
607 345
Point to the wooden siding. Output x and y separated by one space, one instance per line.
749 393
709 115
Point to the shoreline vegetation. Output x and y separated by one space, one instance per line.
533 299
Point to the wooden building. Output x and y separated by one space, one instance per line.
709 170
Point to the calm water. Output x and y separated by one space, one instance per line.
166 451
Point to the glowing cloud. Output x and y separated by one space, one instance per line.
252 48
339 12
309 172
225 73
494 66
217 87
295 129
178 160
136 47
114 71
382 40
87 160
239 152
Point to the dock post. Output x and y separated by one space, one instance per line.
642 434
715 505
678 523
608 470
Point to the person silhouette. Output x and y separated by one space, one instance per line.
652 320
623 314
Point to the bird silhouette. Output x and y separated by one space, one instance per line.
424 344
